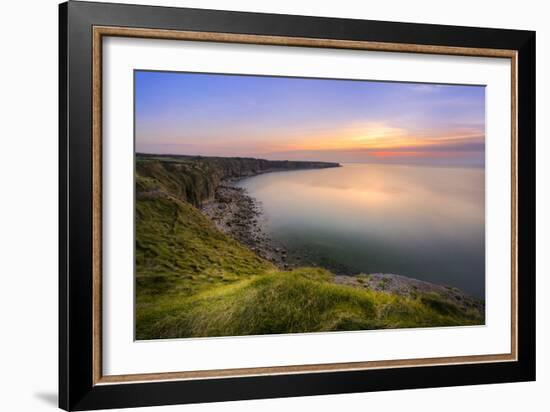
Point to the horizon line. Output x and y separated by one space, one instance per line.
378 162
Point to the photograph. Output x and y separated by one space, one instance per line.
285 204
280 205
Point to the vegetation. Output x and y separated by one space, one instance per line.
193 280
178 251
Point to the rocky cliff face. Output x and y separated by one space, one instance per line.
194 179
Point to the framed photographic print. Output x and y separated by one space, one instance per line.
256 205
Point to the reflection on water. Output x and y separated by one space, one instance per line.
422 222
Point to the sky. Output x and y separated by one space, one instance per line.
283 118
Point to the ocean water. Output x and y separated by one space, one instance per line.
423 222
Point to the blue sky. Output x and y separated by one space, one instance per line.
309 119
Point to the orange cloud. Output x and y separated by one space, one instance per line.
401 154
376 137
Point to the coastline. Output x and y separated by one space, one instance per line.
237 214
410 287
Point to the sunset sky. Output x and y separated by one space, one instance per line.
309 119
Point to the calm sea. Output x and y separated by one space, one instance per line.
424 222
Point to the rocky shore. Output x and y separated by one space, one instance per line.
410 287
237 214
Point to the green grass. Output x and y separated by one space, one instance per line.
179 252
303 300
194 281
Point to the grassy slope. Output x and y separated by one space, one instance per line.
193 280
179 252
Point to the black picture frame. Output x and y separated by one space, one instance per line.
77 390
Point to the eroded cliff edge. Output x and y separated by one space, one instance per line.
194 179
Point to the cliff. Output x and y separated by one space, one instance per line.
195 280
194 179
